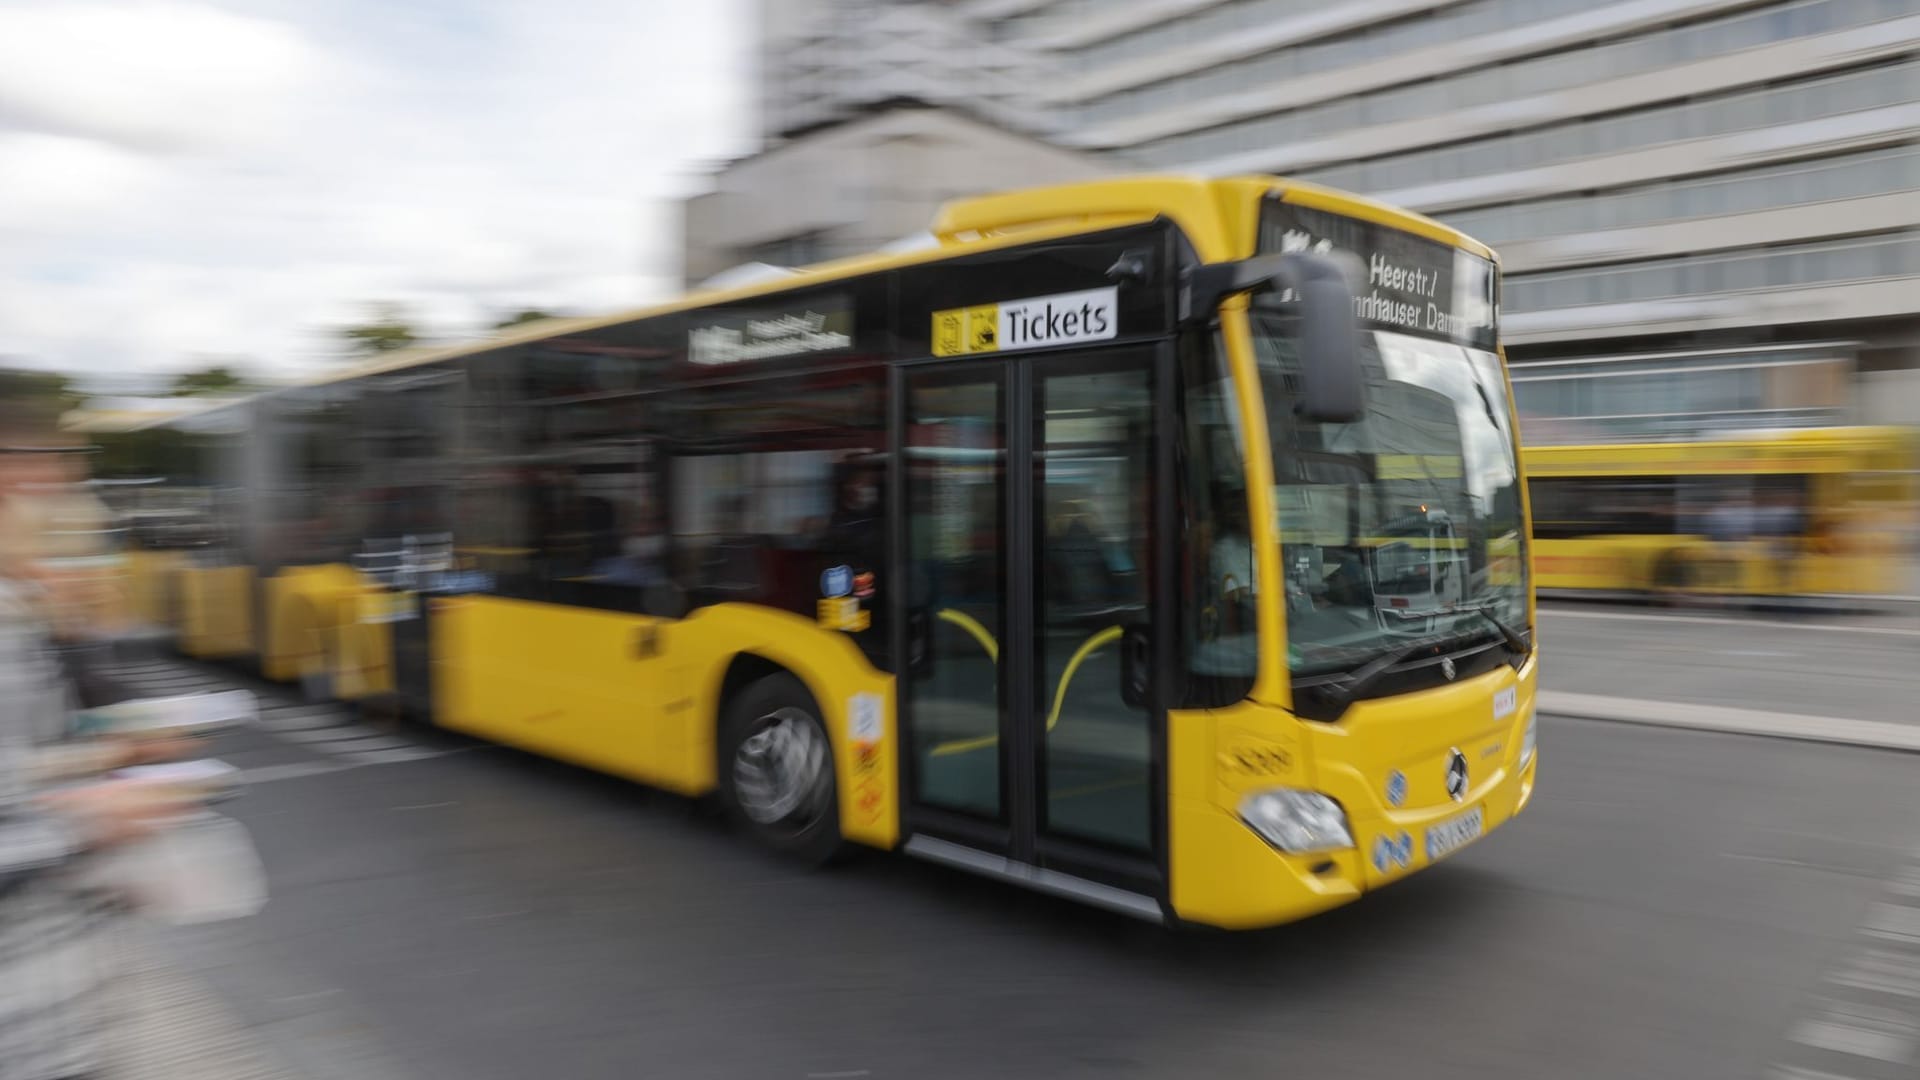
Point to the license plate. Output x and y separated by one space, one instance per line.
1454 833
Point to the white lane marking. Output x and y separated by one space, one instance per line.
1854 1016
266 774
1894 922
1883 971
1721 718
280 723
341 735
174 689
1907 884
289 999
393 756
1715 620
425 806
1859 1030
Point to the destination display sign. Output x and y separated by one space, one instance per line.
732 337
1413 285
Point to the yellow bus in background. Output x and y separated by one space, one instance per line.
1049 551
1823 512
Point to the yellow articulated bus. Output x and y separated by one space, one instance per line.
1819 512
1055 551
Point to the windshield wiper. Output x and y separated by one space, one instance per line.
1517 643
1343 693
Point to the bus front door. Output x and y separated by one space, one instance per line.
1034 739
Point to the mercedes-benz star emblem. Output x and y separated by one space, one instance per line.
1447 668
1456 775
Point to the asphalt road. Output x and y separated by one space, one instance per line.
1859 668
1673 905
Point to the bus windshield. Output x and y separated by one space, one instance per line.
1404 527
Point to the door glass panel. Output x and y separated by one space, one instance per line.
956 495
1093 504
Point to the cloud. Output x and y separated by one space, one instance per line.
158 75
463 156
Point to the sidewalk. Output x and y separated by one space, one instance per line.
173 1028
1846 680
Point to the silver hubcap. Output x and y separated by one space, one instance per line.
780 771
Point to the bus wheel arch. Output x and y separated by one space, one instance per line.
774 766
315 675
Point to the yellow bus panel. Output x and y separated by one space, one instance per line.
216 611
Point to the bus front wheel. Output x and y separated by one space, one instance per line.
776 769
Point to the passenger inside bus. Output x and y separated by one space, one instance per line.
1230 561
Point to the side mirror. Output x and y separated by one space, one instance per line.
1330 383
1323 285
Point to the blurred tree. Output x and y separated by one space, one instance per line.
123 455
524 315
387 328
219 379
48 388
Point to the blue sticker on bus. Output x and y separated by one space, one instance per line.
1403 850
1382 854
1396 788
837 581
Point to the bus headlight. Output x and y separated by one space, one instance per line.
1297 822
1526 741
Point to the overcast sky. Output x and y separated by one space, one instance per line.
191 178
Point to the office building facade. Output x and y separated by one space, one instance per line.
1706 209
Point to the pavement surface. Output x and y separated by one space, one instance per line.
1673 904
1863 667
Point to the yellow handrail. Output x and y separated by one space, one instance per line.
1087 647
972 626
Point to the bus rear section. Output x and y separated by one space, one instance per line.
1796 515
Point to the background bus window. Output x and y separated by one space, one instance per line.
560 498
313 507
1566 508
407 447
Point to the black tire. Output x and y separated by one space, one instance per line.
316 687
810 830
1673 574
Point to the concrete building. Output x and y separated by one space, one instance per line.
1708 210
823 61
1705 207
860 184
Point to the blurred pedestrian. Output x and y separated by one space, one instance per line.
56 542
56 811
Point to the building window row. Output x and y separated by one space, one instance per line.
1589 63
1377 41
1633 130
1885 256
1850 176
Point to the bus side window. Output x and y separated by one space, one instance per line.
778 483
1572 508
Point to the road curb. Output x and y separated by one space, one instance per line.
1876 734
